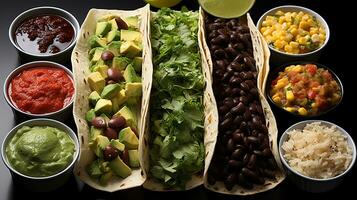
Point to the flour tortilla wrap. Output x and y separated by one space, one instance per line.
210 126
80 63
261 56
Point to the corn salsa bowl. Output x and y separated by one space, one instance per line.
304 89
294 33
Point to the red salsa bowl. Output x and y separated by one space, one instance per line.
40 89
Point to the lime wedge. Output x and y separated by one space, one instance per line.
163 3
226 8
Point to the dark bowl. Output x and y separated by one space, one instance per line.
275 72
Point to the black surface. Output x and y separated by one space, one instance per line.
342 38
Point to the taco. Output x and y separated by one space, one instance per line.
246 159
180 127
111 79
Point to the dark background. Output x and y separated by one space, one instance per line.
338 55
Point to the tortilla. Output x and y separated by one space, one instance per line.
210 126
261 56
80 63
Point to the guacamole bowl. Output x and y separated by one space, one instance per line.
40 154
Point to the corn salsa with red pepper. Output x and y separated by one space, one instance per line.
305 90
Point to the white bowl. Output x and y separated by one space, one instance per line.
280 57
313 184
48 183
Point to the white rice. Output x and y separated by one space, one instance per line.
318 151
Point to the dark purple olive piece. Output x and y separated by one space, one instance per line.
107 55
115 75
121 23
99 122
117 122
111 133
110 153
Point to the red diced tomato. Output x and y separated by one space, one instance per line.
311 94
327 75
311 69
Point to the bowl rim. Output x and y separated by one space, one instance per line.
28 65
62 126
75 25
298 8
323 122
278 69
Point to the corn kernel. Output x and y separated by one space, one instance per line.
290 109
297 68
314 105
302 111
304 25
277 100
294 45
290 95
315 38
288 48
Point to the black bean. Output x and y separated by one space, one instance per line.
237 154
231 52
228 102
247 115
267 152
252 139
251 162
225 124
219 54
223 109
230 181
238 120
230 145
244 86
235 91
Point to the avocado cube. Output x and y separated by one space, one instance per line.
132 22
129 49
119 100
113 36
93 98
130 75
114 25
102 28
110 91
107 17
133 89
105 178
102 69
103 106
94 132
118 145
90 115
120 63
93 169
128 138
99 145
114 47
130 35
137 63
97 54
95 41
134 158
129 116
96 81
120 168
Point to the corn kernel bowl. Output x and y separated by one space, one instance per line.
286 113
294 34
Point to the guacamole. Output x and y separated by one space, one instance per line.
40 151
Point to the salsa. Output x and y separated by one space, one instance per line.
305 89
41 90
47 34
40 150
